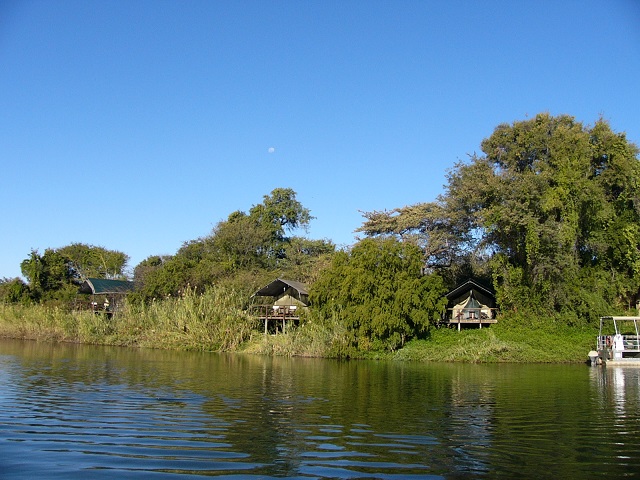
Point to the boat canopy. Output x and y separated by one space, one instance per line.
618 323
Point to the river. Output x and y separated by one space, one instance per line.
77 411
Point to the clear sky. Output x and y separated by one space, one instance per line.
138 125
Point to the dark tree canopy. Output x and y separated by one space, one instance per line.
14 290
281 212
46 273
559 205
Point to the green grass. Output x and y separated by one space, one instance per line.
544 343
312 338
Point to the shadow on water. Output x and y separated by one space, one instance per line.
71 411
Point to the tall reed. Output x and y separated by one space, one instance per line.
312 337
211 321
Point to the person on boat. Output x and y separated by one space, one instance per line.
618 346
609 345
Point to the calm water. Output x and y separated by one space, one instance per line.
90 412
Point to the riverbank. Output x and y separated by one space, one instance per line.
215 322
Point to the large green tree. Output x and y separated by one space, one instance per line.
281 212
14 290
89 261
553 204
48 274
558 204
377 290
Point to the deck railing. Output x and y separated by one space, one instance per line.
471 316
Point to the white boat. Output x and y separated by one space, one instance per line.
618 342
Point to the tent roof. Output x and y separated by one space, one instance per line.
104 286
279 285
470 285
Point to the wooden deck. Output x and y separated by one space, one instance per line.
276 320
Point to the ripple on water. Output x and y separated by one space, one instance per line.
211 416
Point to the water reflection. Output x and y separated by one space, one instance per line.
75 411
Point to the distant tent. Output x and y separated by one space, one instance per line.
102 286
111 293
472 288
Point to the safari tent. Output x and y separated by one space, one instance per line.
286 299
106 295
471 304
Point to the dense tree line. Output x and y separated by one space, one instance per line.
548 213
243 252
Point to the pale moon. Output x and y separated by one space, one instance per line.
271 150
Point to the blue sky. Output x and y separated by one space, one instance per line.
138 125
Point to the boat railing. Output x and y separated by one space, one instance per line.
631 343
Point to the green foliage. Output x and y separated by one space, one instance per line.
378 292
160 277
240 252
550 211
558 204
280 211
304 259
56 274
48 274
244 242
88 261
14 291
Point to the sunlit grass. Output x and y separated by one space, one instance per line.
545 342
212 321
216 321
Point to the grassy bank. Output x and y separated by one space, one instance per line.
511 340
545 343
215 321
